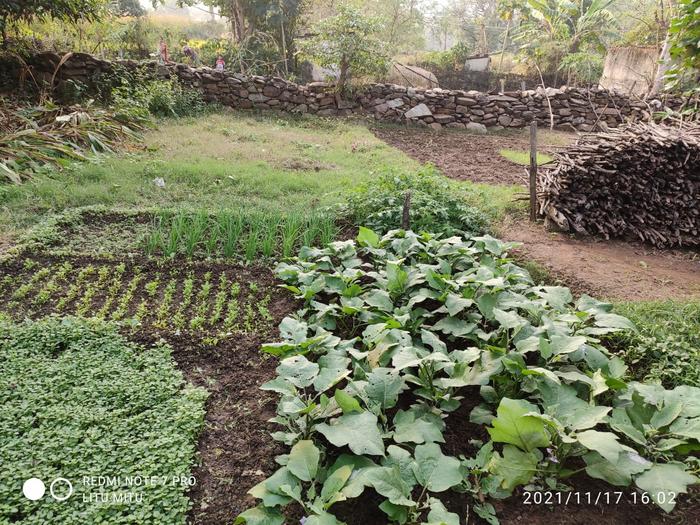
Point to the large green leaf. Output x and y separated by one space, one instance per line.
686 427
413 427
367 237
664 482
388 482
619 473
360 466
384 386
270 490
434 470
346 402
563 403
513 426
604 443
323 518
260 516
516 467
303 460
298 370
439 515
358 431
330 492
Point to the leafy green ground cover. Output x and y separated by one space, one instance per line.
398 332
211 300
78 401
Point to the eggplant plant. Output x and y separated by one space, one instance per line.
396 331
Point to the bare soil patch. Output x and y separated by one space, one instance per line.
612 269
468 156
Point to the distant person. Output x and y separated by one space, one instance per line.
220 63
163 56
191 54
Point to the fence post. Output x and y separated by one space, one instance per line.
533 171
405 216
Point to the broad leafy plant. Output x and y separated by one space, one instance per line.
397 331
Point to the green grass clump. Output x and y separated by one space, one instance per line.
79 400
666 349
523 157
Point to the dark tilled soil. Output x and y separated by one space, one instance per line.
467 156
236 450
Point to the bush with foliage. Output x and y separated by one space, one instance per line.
161 98
437 204
35 138
398 332
685 35
79 400
452 59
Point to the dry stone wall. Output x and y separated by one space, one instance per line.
570 108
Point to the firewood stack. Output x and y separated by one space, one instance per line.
640 181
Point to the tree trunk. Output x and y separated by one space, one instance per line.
503 49
343 76
663 66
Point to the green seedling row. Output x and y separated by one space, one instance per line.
181 300
237 234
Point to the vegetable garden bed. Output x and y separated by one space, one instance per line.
408 338
209 299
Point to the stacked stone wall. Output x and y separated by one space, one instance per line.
577 109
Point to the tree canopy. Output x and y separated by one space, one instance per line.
349 42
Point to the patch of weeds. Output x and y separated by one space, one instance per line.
666 348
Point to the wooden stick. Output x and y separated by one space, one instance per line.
533 171
405 219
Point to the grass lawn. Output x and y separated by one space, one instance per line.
216 161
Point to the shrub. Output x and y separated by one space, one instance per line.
78 400
161 98
437 204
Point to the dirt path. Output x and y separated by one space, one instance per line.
608 269
611 270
